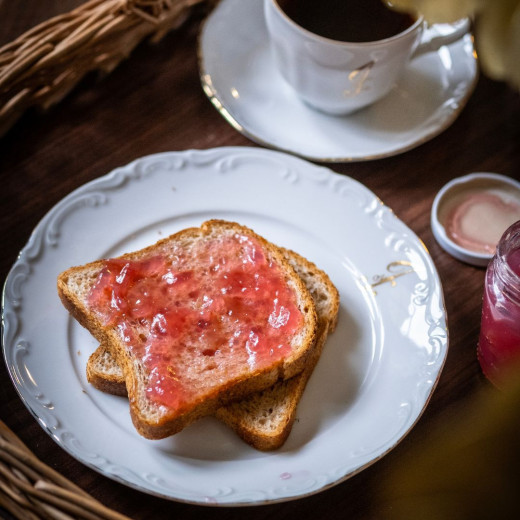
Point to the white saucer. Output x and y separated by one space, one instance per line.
242 82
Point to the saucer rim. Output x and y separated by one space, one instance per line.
213 96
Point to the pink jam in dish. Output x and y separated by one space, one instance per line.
478 222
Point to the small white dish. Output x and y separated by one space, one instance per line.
239 76
454 194
372 383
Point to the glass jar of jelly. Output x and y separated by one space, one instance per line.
499 342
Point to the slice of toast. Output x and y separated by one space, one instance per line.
193 323
104 373
263 419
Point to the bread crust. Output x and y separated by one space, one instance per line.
167 421
264 420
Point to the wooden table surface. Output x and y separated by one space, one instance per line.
153 102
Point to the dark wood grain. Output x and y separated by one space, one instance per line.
152 103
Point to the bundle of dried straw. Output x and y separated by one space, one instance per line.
30 490
41 66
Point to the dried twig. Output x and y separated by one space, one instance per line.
41 66
31 490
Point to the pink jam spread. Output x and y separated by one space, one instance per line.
478 222
222 301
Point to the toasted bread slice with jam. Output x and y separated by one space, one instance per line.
195 321
263 419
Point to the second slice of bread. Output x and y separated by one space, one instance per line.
210 381
262 419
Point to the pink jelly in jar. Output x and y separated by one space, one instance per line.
499 342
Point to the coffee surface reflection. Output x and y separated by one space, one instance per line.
347 20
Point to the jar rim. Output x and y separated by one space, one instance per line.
507 239
510 279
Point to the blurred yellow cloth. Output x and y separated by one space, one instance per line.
468 467
497 30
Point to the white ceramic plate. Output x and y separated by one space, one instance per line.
240 78
371 385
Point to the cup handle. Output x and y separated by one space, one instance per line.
437 35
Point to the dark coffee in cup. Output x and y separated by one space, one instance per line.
347 20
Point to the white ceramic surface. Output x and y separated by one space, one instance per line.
375 377
332 76
239 76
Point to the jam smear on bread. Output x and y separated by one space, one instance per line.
224 297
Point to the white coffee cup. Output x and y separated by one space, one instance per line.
339 77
